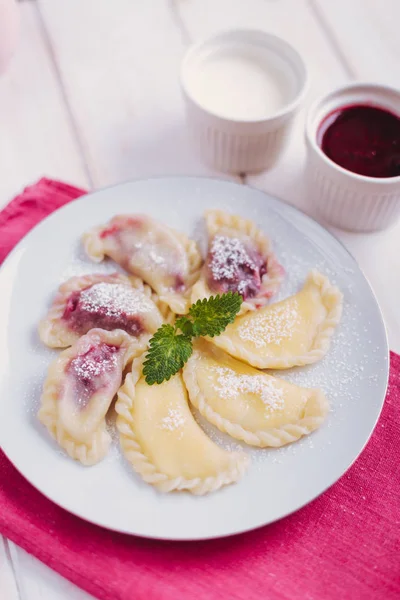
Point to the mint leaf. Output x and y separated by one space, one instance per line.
212 315
167 354
170 350
185 326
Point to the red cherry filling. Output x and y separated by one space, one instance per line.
107 306
109 231
117 226
91 371
233 266
179 283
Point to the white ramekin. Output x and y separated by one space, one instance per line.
240 146
342 198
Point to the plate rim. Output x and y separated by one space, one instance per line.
291 209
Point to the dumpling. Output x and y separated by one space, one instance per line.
80 386
105 301
239 259
295 331
164 258
248 404
164 444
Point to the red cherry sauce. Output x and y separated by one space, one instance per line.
363 139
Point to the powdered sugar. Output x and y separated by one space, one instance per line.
89 365
174 420
157 258
271 326
227 255
230 385
114 299
97 369
241 288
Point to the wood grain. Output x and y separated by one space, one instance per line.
38 582
8 583
93 96
121 78
36 137
366 31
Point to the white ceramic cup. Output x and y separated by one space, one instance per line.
341 197
240 145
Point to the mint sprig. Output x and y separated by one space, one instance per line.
212 315
171 345
167 354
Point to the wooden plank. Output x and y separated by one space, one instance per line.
8 585
378 256
121 77
367 33
38 582
36 137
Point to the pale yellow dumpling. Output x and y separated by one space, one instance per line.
295 331
163 442
249 404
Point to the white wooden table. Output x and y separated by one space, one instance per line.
92 97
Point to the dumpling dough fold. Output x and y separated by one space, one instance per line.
163 442
239 259
248 404
295 331
165 259
80 386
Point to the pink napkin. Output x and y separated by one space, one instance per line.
343 546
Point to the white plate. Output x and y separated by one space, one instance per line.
354 374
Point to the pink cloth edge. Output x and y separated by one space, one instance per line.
30 207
